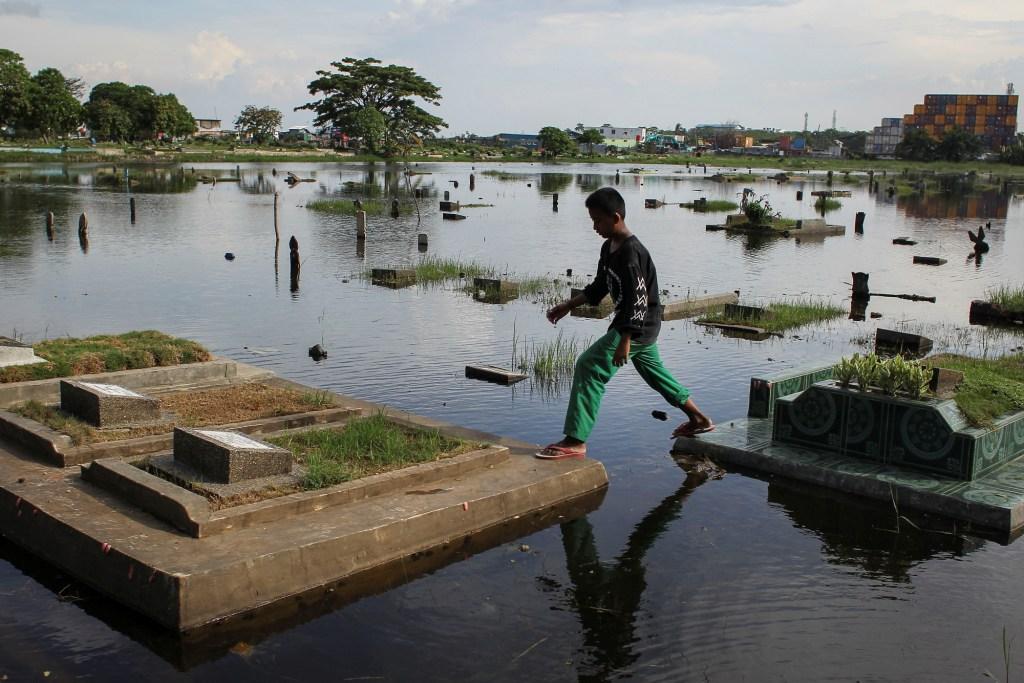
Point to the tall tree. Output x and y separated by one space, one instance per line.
169 117
554 141
261 123
108 121
14 87
147 114
916 145
958 145
392 90
591 137
54 111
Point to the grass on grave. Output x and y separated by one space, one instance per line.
220 406
366 446
711 205
347 207
783 315
827 204
551 360
68 356
991 387
1006 297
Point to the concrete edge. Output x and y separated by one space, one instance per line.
47 390
1000 519
178 506
245 516
36 437
335 558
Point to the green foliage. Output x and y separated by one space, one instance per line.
591 137
119 112
889 375
390 90
347 207
53 110
370 125
845 370
827 204
365 446
759 211
555 142
551 360
14 88
991 387
1014 153
1007 297
917 145
782 316
262 123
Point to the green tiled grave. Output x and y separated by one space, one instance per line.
764 390
927 435
994 500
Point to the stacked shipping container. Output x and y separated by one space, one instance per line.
882 140
993 118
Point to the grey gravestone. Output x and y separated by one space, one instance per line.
107 405
229 457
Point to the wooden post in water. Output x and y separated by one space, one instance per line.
799 195
83 225
858 223
860 286
446 195
277 219
554 202
49 225
830 177
131 209
360 225
472 181
394 208
421 241
296 265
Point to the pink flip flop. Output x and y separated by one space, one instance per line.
694 431
556 452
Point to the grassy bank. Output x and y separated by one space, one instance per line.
365 446
1007 297
711 206
782 316
347 207
69 356
991 387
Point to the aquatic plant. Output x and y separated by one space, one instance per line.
845 369
347 207
759 211
550 360
1007 297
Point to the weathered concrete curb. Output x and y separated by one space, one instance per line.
48 390
685 308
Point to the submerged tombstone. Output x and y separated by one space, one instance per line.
229 457
494 291
107 405
905 343
394 278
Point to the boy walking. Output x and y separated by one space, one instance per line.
626 272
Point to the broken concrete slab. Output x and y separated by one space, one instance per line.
107 405
393 278
493 373
691 306
494 291
930 260
907 343
13 352
906 241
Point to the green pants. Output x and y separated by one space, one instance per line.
594 368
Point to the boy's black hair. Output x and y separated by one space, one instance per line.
607 200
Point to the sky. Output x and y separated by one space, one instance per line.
519 66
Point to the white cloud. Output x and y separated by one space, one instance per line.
214 56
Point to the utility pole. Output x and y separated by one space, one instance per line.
805 122
834 120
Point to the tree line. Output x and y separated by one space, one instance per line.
47 105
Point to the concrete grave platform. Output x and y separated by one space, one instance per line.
13 352
59 449
691 306
107 405
118 528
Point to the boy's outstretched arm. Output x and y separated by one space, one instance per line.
559 311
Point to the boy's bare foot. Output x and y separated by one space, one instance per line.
694 427
562 450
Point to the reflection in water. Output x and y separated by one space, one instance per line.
553 182
606 597
187 650
987 204
870 535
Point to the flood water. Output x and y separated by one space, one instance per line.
669 579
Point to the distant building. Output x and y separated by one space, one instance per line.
622 138
527 140
209 128
993 118
792 147
297 134
882 140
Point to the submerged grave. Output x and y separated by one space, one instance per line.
224 523
807 227
919 453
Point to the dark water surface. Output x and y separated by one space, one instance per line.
668 579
